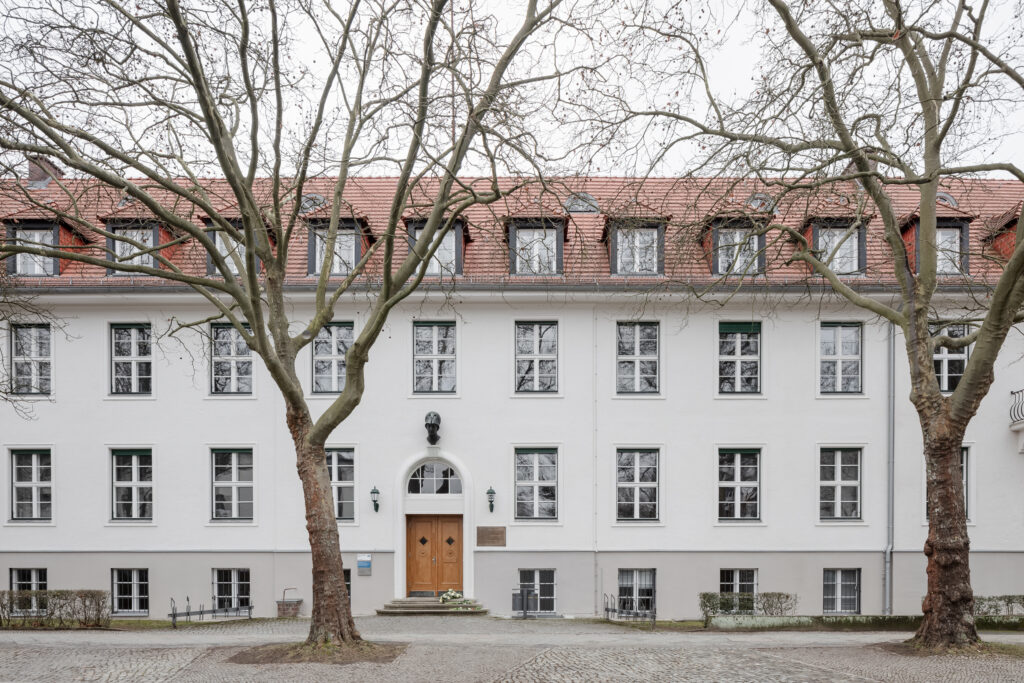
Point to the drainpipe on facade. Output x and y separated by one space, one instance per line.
890 473
593 447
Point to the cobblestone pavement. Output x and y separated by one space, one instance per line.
468 649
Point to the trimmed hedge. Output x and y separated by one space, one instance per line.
772 604
54 609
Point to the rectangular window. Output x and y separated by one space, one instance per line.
950 363
31 485
738 251
444 260
233 252
27 581
31 361
638 250
133 484
126 252
342 470
329 349
348 580
636 358
130 591
636 590
636 483
230 588
536 249
841 591
738 588
840 249
948 242
131 362
232 484
540 586
346 250
739 476
536 483
434 358
839 364
31 264
536 357
739 358
232 361
839 487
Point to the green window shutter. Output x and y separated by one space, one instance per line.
741 451
749 328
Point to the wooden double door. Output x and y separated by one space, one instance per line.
433 551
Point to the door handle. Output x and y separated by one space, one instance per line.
434 559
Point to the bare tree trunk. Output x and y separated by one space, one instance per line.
949 605
332 613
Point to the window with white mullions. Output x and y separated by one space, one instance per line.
536 357
231 588
133 484
434 358
27 581
840 365
536 250
841 591
840 249
31 264
637 250
738 588
739 358
540 584
738 251
636 590
231 251
636 361
130 591
232 361
342 470
536 483
949 245
345 253
636 482
232 484
126 252
950 363
131 365
444 261
31 362
839 487
739 484
31 485
435 477
329 349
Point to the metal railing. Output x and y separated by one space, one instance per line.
613 612
1017 407
222 612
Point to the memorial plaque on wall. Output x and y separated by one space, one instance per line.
490 535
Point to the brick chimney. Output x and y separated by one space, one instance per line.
41 169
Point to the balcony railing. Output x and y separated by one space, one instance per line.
1017 409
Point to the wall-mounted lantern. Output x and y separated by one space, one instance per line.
375 497
490 498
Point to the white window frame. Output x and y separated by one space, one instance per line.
226 246
737 358
943 356
530 352
345 254
444 261
435 357
740 254
846 260
40 485
235 579
38 360
529 458
631 601
536 250
737 483
632 486
838 485
32 265
122 250
534 605
334 334
138 486
840 360
842 580
632 241
37 581
234 486
238 360
137 583
343 490
139 365
734 580
948 259
439 471
636 360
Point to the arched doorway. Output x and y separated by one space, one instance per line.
433 535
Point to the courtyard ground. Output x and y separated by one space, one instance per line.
485 649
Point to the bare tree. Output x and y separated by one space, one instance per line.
141 101
855 105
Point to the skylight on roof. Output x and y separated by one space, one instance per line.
759 201
311 202
581 202
947 199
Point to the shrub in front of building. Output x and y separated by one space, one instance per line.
55 609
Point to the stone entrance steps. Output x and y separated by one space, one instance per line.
433 606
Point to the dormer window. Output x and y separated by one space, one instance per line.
840 247
949 243
638 249
536 247
124 252
228 248
32 265
447 259
738 250
345 252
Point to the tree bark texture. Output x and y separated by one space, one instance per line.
331 612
